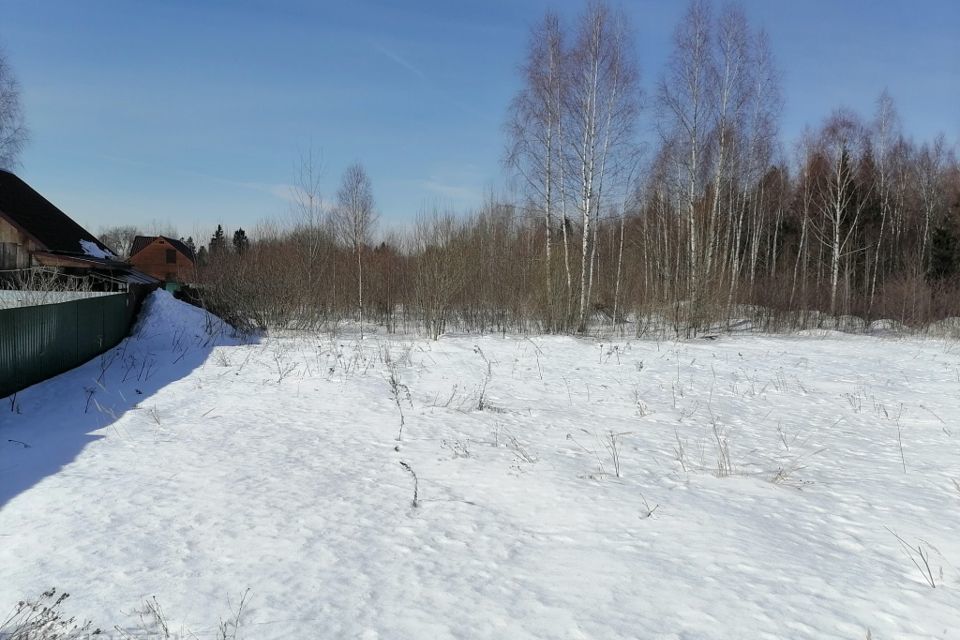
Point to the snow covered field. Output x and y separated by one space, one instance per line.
748 487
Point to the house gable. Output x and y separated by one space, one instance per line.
163 258
15 245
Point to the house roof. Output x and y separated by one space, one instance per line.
40 219
141 242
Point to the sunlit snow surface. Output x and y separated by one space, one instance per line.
192 468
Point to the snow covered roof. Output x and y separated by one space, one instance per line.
93 250
50 227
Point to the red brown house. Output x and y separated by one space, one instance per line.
163 258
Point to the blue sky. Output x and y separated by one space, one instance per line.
195 113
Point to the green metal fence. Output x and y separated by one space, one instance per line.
39 342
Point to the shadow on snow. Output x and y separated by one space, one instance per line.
45 427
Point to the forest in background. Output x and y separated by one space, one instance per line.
718 220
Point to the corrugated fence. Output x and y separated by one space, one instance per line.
42 341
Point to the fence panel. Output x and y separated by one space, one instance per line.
40 342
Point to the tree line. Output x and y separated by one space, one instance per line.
120 238
715 220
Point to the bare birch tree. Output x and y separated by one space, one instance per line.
603 105
355 218
535 138
732 89
13 131
841 142
886 129
119 238
760 143
929 169
312 235
685 101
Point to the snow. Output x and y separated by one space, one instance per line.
762 482
94 250
14 298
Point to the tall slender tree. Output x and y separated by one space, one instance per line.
13 130
355 218
603 105
535 138
685 100
840 203
731 90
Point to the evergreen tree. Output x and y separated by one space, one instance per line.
218 243
190 245
240 241
202 256
944 254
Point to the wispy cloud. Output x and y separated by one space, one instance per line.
400 60
279 190
442 91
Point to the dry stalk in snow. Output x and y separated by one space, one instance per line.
481 401
228 628
284 369
398 389
41 619
153 623
612 443
919 556
416 484
648 512
680 451
724 464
